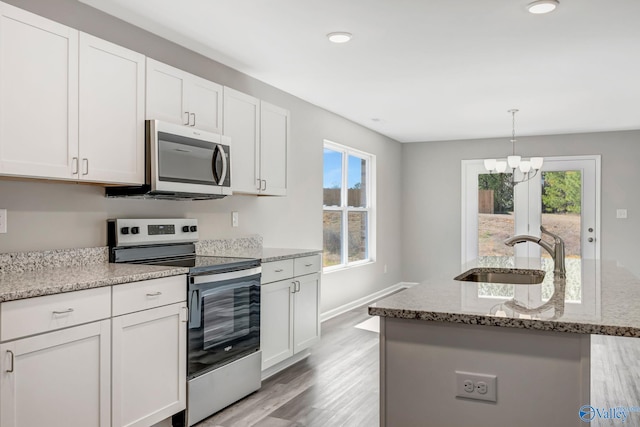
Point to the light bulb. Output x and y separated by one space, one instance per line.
513 161
542 6
536 162
501 166
490 164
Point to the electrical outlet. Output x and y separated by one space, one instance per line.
476 386
234 219
3 220
621 213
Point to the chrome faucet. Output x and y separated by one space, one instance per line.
556 251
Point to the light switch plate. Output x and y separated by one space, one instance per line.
3 220
621 213
234 219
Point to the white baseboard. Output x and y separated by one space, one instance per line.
364 300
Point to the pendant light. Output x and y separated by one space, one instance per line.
525 169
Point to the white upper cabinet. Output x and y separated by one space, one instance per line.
259 134
274 139
111 112
179 97
242 124
38 95
71 105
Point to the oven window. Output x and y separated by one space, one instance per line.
226 315
185 162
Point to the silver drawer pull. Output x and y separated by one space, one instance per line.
12 357
154 294
280 270
308 265
67 311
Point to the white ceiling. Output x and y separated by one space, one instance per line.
424 70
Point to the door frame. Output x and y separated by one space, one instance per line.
469 182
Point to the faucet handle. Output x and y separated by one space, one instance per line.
557 238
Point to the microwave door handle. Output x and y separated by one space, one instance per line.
223 175
214 164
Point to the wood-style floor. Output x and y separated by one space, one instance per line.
338 384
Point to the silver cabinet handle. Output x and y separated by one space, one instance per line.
265 185
308 265
194 118
74 165
280 270
186 113
294 288
85 163
298 286
154 294
186 314
259 186
12 357
67 311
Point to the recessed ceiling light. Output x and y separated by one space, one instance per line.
542 6
339 37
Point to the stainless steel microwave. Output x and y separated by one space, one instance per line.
182 163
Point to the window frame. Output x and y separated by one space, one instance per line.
370 193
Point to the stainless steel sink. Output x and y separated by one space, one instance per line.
516 276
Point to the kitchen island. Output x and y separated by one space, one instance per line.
538 348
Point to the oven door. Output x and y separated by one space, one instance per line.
224 318
188 160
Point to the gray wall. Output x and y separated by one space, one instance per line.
431 219
65 215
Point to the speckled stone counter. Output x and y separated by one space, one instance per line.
33 274
249 247
608 306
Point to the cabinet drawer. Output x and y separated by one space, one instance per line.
277 270
147 294
306 265
42 314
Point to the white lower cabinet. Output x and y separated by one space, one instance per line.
289 312
149 360
73 365
57 379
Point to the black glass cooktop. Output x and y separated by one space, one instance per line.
199 264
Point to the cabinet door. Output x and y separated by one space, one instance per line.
242 124
203 101
149 365
111 112
306 323
38 96
274 138
165 92
276 322
57 379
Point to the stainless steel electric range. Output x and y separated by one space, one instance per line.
223 298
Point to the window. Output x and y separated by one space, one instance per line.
348 206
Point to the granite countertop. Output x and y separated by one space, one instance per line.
245 248
33 274
607 304
49 281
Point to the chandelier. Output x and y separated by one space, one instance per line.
524 169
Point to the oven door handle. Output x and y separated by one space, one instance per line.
194 309
210 278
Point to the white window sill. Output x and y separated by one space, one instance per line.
336 268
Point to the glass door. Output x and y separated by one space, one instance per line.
563 197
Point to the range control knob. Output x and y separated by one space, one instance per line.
194 228
185 228
135 230
124 230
